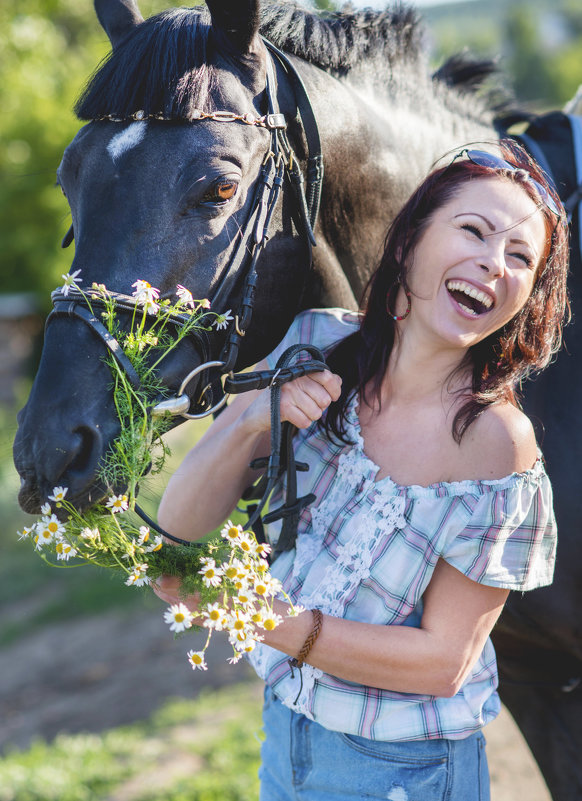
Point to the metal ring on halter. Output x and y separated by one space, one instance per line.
176 406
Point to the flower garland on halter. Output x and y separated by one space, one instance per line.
230 574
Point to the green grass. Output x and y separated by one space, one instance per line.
202 750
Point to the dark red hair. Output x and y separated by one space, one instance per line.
501 361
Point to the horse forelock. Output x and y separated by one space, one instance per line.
163 65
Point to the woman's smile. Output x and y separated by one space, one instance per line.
469 298
474 266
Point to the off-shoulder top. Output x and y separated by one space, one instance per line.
366 551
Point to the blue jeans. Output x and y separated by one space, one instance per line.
302 761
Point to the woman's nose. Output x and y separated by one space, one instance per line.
494 264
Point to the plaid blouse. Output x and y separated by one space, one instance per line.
366 550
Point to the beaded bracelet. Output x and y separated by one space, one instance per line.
310 641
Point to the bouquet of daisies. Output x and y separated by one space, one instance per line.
229 575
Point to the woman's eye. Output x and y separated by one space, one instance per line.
472 229
221 191
524 258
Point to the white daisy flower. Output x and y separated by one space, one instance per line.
58 494
270 621
262 549
65 550
49 529
144 535
215 617
156 545
146 295
179 617
222 320
211 574
245 543
118 503
46 509
238 622
90 534
71 280
230 531
197 661
25 533
184 296
236 658
138 577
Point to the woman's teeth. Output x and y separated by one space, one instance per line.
471 300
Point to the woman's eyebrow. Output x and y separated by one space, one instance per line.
476 214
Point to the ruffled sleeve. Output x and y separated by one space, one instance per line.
509 536
320 327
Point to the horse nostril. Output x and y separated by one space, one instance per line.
86 450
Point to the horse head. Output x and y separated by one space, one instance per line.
163 186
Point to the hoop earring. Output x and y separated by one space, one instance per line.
396 285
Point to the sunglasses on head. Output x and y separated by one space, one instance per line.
484 159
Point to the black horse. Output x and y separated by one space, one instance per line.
167 183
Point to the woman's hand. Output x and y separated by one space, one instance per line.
303 401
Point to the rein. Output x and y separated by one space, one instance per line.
279 163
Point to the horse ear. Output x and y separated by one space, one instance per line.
238 20
117 18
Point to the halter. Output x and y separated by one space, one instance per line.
279 162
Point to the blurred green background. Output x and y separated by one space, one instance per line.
48 48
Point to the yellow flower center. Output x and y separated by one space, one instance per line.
179 617
231 572
269 624
53 527
245 546
238 625
209 573
260 589
214 615
232 533
196 658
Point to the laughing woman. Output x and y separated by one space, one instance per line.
431 499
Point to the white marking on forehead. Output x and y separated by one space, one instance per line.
126 139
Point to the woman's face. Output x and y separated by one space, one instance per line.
475 263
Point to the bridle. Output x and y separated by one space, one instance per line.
278 164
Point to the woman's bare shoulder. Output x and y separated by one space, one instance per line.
501 441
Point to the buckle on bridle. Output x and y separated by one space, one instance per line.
181 403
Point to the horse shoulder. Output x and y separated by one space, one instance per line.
501 441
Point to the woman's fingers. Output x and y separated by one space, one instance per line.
305 399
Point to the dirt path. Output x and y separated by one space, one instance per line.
102 672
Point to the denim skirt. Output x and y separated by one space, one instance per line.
302 761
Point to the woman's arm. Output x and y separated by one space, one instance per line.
434 659
208 484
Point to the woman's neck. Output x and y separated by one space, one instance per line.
416 373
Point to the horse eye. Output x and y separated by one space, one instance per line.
221 191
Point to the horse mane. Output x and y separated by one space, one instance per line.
162 65
342 41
